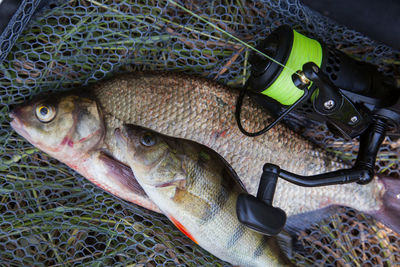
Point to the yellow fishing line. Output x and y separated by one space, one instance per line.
303 50
228 34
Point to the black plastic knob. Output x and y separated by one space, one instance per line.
260 216
257 213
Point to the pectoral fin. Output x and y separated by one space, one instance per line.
122 174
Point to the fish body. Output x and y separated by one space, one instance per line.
186 107
203 111
197 190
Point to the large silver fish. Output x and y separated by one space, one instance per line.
197 190
77 129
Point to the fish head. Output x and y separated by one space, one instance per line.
152 156
63 125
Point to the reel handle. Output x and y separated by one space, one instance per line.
257 213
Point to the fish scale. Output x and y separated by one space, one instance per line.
204 207
197 109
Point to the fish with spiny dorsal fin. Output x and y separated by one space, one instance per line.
197 190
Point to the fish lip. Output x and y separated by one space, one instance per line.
164 184
18 125
161 185
121 138
15 113
15 122
12 114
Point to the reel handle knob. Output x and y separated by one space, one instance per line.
257 213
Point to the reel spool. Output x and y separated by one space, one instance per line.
291 49
323 84
273 85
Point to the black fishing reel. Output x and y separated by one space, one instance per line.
293 72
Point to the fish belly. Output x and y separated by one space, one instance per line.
221 234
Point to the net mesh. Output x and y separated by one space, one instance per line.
50 215
14 28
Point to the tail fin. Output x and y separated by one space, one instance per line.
389 214
289 241
288 244
332 232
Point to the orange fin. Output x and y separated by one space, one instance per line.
182 229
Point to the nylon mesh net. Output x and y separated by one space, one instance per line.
14 28
50 215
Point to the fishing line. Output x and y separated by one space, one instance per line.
282 89
231 36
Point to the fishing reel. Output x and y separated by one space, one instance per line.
292 72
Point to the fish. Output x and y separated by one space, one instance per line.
78 129
71 129
197 190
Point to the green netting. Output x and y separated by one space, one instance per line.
50 215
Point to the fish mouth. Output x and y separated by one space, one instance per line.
121 137
122 140
174 182
13 115
18 125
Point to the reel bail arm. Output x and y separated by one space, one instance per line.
337 109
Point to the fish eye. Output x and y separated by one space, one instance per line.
147 139
45 113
